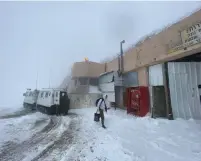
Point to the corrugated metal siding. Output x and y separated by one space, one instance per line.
184 78
107 87
130 79
111 96
156 75
106 78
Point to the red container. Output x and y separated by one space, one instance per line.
138 100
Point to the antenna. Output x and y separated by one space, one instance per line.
37 80
49 77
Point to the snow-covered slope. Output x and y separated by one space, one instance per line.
18 129
77 137
128 138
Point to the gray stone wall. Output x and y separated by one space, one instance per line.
83 100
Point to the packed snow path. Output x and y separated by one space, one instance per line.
50 137
78 138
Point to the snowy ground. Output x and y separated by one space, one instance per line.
78 138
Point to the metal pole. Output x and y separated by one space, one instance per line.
121 50
37 80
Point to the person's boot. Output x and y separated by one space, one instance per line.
104 126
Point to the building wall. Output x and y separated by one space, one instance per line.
157 49
143 77
87 69
112 66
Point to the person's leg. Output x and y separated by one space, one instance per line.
102 118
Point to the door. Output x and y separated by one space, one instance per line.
159 103
119 97
63 102
135 101
184 94
56 97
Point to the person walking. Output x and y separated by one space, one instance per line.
101 106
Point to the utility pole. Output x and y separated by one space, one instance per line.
49 77
37 80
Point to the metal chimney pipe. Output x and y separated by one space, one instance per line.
119 63
122 60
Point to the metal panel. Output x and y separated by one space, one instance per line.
130 79
107 87
119 96
106 78
184 94
156 75
111 96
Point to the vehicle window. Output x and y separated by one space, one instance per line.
46 94
41 94
52 94
30 93
56 94
49 93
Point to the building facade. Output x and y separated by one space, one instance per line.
168 64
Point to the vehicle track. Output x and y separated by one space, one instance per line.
63 143
13 152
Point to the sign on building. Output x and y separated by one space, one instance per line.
190 36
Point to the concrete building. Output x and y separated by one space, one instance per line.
174 82
168 63
83 86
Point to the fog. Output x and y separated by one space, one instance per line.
47 37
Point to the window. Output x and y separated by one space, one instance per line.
46 94
49 93
27 94
41 94
93 81
56 94
30 94
83 81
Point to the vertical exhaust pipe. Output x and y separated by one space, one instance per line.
119 63
122 59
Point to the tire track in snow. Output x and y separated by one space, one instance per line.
63 143
14 152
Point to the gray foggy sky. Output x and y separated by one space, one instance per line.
49 36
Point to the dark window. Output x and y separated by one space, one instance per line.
83 81
93 81
56 94
41 94
46 94
49 93
30 93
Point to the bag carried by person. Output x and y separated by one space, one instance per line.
96 117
